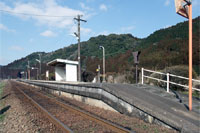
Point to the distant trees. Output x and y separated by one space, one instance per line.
163 48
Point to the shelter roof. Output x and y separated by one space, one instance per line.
61 62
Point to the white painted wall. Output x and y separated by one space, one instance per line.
71 72
60 73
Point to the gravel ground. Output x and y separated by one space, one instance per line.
22 117
74 121
132 123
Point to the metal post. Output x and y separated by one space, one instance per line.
190 56
99 74
37 73
189 16
136 75
104 66
142 75
167 82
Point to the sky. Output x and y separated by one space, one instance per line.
28 26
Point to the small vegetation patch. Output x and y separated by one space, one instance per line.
194 94
2 85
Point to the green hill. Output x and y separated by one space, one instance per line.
169 47
163 48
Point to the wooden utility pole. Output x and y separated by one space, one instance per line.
78 19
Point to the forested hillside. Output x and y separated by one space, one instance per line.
163 48
169 47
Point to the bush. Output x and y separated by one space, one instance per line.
51 76
88 76
176 70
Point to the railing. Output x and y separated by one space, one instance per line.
167 81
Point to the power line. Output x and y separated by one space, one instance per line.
29 14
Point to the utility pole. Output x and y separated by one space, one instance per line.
40 62
40 66
78 19
29 71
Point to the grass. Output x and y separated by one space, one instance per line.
194 94
2 85
2 116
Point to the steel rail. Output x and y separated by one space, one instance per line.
53 119
110 125
87 115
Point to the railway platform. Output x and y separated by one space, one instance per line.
171 108
150 103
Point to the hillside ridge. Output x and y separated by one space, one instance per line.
163 48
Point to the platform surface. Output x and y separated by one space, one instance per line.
169 107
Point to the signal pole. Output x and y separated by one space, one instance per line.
78 19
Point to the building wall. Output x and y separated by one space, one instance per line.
71 72
60 73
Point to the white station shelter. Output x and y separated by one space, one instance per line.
65 70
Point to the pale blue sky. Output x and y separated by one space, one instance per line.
20 35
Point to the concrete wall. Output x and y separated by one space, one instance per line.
71 72
87 93
86 100
60 73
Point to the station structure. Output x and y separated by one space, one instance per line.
65 70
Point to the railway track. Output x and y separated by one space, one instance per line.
66 117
